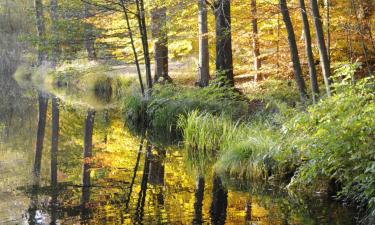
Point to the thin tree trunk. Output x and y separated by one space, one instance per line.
224 58
324 60
55 35
130 33
143 32
204 58
293 50
309 52
255 34
89 34
160 36
361 34
41 31
327 5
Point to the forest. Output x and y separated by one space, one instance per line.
187 112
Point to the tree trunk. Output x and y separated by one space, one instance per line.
309 52
144 38
224 58
362 35
293 50
327 6
204 58
130 33
89 34
255 34
324 60
55 37
41 31
160 36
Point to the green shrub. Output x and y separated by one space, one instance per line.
336 137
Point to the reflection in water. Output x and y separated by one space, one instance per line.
134 174
219 203
54 151
135 182
198 204
43 104
138 217
87 154
42 116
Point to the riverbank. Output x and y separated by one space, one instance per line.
269 136
260 133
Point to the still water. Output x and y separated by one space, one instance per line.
68 163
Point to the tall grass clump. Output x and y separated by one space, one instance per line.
169 102
205 133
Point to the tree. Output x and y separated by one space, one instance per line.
54 31
309 52
130 33
160 36
224 58
255 35
324 60
41 31
143 31
89 34
293 50
204 58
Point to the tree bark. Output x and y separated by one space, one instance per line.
293 50
55 37
130 33
324 60
204 58
309 52
224 58
144 38
160 36
89 34
255 35
41 31
327 6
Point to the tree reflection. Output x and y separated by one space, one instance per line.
87 154
139 212
43 104
219 203
54 150
198 204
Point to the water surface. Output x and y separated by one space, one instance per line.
85 167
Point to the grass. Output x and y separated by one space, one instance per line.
169 102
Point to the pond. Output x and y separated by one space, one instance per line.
66 163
